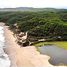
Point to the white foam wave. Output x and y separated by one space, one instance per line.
4 59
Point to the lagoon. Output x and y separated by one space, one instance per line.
58 55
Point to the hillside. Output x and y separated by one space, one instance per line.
50 24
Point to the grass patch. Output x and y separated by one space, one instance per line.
62 44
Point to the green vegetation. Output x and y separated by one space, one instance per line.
62 44
49 24
44 26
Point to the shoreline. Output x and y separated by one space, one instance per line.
24 56
18 60
17 53
8 43
3 55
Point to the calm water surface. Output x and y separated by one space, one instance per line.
58 55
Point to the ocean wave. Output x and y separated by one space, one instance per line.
4 59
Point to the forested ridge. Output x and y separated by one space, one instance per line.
51 25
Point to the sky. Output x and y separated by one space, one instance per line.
33 3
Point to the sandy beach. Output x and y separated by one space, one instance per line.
23 56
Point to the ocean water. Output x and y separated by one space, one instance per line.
4 59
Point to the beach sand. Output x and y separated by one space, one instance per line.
23 56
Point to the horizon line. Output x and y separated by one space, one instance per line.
32 7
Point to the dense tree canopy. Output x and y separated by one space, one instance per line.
41 24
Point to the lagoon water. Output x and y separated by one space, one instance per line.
4 59
57 55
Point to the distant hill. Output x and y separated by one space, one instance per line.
30 9
16 9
